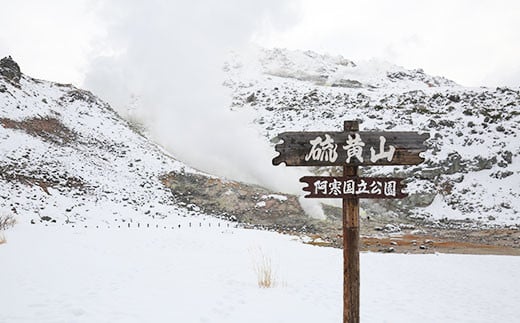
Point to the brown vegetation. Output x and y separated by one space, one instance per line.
48 128
264 269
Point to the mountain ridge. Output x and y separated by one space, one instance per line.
67 156
61 144
472 169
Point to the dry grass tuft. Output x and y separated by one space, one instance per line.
265 273
266 276
6 221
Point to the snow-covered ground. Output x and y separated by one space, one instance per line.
203 273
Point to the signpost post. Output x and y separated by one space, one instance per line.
350 149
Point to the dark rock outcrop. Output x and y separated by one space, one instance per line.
10 70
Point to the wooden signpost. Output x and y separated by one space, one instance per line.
350 149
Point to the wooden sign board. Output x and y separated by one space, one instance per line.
353 187
349 148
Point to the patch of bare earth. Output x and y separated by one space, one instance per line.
251 206
41 180
460 242
51 130
48 128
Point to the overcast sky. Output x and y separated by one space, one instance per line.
474 42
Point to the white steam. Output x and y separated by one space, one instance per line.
165 63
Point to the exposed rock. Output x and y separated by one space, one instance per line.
501 174
10 70
244 203
251 98
391 228
454 98
78 94
347 83
485 163
507 156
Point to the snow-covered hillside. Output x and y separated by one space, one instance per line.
66 155
472 169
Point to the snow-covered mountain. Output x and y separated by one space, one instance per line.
64 153
472 168
66 156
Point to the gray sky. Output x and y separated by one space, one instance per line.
473 42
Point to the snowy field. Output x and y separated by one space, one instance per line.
201 274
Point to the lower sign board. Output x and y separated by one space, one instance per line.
353 187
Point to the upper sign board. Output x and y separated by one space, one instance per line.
359 148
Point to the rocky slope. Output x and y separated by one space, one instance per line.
66 156
472 168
